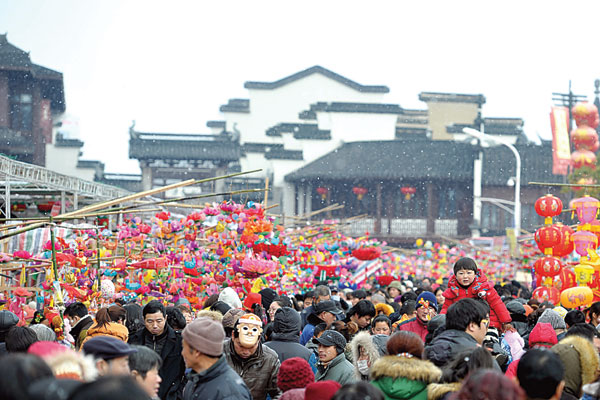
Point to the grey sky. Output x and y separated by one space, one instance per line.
169 65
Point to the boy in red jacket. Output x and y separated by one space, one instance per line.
468 281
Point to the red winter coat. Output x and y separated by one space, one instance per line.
480 288
414 325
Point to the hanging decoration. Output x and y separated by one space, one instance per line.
323 191
360 192
408 191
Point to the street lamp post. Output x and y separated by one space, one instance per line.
491 139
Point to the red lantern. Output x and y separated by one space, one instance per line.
585 113
360 192
566 245
565 279
323 192
544 293
408 191
583 158
45 207
547 237
548 206
18 207
366 253
547 266
584 138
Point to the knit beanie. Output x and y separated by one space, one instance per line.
551 317
251 299
229 296
267 296
465 263
231 317
426 297
294 373
542 335
205 335
322 390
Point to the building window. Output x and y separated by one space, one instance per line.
447 203
21 112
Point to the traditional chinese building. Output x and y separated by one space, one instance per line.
322 139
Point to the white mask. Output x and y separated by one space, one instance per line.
363 367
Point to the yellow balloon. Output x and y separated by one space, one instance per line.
419 242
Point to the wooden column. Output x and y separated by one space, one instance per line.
378 201
431 208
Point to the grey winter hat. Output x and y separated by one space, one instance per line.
287 320
332 338
551 317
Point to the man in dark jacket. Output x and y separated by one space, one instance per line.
80 320
467 321
285 340
257 364
210 376
160 337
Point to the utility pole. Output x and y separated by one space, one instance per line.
568 100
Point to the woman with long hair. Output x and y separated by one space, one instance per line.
110 321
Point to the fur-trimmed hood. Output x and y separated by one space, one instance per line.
580 359
436 391
404 367
364 340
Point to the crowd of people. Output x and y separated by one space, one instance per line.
413 339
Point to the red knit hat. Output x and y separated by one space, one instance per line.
252 298
542 335
323 390
294 373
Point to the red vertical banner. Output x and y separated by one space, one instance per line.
561 147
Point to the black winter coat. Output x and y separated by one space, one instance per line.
288 346
219 382
447 345
172 370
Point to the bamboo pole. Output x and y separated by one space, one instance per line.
266 192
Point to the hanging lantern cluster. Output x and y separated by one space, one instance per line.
584 136
323 192
556 280
408 192
553 241
360 192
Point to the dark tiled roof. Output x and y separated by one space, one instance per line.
164 146
368 108
14 59
282 154
495 126
300 131
216 124
396 159
236 105
322 71
90 164
451 97
251 147
61 141
536 164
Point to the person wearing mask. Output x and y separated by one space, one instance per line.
210 376
110 354
426 308
160 337
285 340
366 349
80 321
256 363
110 321
333 365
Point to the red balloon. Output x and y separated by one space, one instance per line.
544 293
547 266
